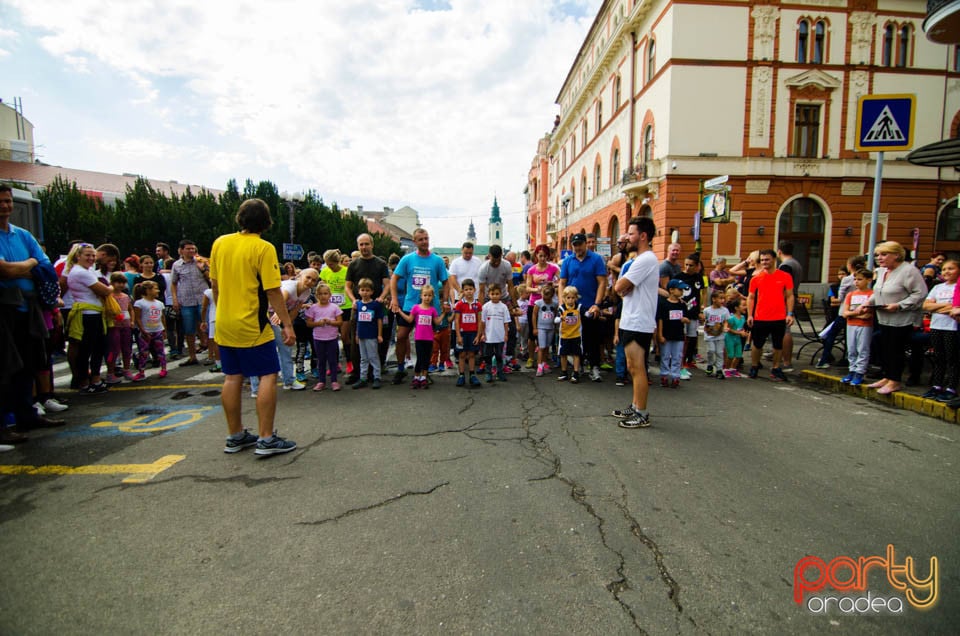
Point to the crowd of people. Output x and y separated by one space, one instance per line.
480 317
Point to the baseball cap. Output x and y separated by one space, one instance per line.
578 238
677 283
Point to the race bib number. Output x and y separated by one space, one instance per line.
419 280
676 314
944 295
570 319
336 299
365 316
424 319
713 319
547 315
469 319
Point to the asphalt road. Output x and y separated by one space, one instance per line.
517 508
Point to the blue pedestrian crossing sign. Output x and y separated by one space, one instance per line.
885 122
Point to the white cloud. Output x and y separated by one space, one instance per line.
437 106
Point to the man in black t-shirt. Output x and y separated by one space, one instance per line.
375 268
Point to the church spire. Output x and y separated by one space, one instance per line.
496 224
472 233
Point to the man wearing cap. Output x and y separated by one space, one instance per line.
586 271
769 312
638 286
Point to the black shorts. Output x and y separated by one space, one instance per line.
640 337
571 347
401 322
773 328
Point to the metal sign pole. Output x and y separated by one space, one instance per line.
875 210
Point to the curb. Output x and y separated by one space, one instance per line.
899 400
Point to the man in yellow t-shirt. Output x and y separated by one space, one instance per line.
245 277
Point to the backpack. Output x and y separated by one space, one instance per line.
47 285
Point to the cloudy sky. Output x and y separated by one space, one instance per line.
435 104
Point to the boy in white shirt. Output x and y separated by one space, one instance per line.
496 317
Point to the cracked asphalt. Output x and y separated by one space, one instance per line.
517 508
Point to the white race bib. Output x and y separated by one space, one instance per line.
468 319
365 316
336 299
676 314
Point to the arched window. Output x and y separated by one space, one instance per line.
647 148
802 223
651 59
616 93
904 44
803 41
564 159
615 166
583 189
596 179
573 198
599 115
573 146
886 58
948 225
614 229
583 134
819 33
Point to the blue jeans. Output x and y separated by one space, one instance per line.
671 357
286 356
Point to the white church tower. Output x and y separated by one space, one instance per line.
496 225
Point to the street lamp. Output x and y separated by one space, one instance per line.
567 198
292 201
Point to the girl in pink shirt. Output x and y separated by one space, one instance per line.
424 317
325 318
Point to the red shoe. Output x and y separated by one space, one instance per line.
349 368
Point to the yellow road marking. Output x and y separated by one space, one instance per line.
139 473
147 423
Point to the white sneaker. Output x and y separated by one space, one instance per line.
39 409
253 394
52 406
296 386
595 374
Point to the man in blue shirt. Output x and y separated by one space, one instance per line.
586 271
21 324
416 270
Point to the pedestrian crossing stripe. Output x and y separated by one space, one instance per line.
885 128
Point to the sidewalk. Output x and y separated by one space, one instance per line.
907 399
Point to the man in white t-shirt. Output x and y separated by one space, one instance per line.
463 267
638 286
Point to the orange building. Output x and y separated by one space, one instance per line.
665 95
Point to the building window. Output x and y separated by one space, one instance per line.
956 58
564 161
802 223
596 179
583 133
615 166
819 33
948 226
616 93
651 59
887 52
599 116
647 148
803 41
583 189
573 146
806 130
904 45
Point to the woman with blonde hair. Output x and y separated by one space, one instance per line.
898 295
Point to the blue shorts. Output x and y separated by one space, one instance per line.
469 341
250 361
190 316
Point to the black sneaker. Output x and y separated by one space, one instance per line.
754 372
274 446
237 445
399 376
574 377
777 375
359 384
932 393
946 396
624 413
621 381
635 421
563 377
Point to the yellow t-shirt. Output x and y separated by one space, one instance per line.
337 280
570 323
244 266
